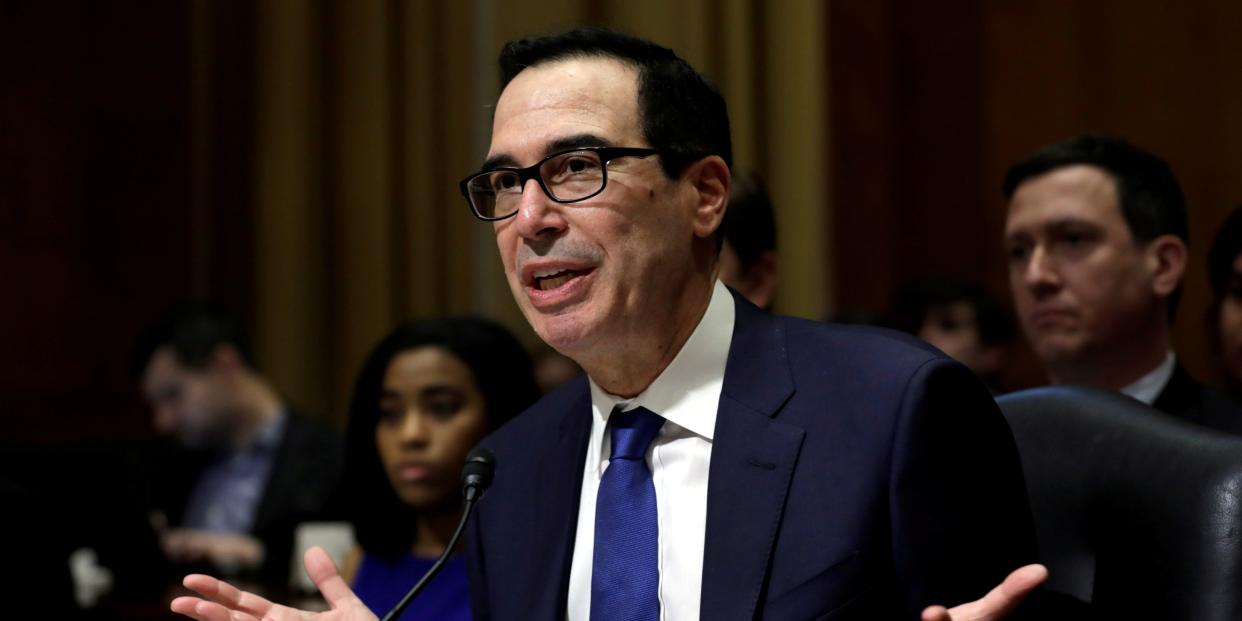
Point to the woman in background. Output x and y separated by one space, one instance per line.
427 394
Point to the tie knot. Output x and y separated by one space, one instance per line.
633 431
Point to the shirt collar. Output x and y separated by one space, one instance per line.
1148 388
687 392
268 437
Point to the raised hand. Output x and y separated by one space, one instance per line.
222 601
997 604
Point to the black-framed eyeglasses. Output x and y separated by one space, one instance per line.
566 177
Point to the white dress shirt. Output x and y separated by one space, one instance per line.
1148 388
686 394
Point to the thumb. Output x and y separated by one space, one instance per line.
323 573
998 603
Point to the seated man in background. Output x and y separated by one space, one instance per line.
250 469
1096 234
963 322
748 256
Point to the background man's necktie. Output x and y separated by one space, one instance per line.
625 576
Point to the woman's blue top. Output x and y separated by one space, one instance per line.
381 583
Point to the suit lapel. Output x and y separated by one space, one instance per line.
753 459
558 491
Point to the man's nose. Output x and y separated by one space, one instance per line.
538 215
1041 275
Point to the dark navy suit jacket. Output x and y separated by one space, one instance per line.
855 474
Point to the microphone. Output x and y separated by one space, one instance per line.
475 477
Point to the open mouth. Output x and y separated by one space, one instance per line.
554 279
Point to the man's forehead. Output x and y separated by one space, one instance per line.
549 102
1078 192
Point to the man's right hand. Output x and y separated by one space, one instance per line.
222 601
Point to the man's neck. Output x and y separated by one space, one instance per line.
1117 369
259 406
628 370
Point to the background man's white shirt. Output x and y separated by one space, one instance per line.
1148 388
686 394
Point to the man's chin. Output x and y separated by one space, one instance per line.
566 333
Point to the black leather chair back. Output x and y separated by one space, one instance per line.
1136 511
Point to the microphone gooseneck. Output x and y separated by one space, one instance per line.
476 476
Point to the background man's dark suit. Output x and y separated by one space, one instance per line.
304 474
1186 398
855 474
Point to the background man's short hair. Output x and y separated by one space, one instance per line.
193 330
682 113
1149 195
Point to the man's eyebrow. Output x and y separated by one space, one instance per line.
576 141
497 161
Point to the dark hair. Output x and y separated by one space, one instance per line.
1225 249
916 301
682 113
749 222
383 525
193 330
1148 193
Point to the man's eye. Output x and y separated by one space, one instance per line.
578 164
1018 253
505 182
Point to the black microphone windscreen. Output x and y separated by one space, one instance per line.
480 464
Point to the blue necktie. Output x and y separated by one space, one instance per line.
625 575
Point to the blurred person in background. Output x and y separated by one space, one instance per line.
248 468
748 255
552 369
427 393
1225 315
961 321
1096 233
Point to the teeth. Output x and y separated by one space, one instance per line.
548 273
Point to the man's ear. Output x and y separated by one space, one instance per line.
710 181
1166 259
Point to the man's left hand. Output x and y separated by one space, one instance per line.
997 604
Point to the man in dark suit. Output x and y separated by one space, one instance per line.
715 462
1096 234
247 469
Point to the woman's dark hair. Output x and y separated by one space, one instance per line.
383 525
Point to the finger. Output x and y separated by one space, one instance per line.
185 606
936 613
227 595
1001 601
323 573
203 610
